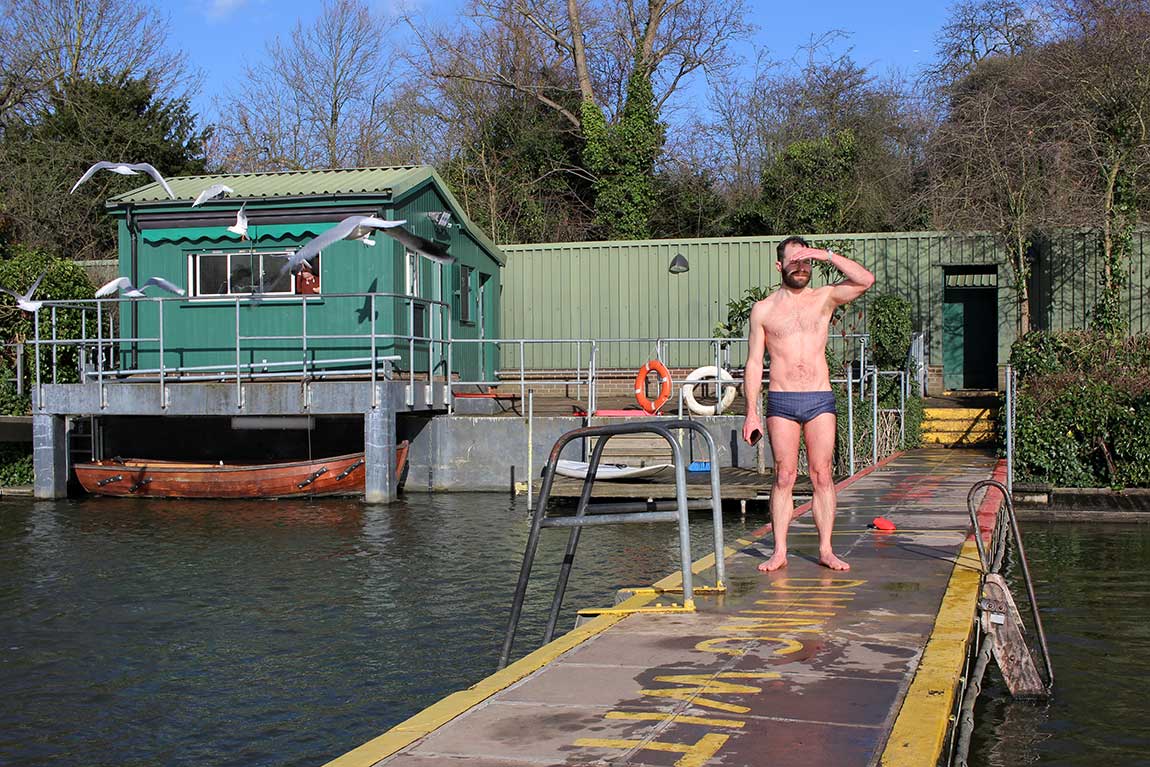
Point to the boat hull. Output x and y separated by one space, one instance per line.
338 475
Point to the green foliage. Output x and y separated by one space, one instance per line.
1108 316
63 280
518 174
889 326
15 465
41 157
809 187
622 159
1083 417
738 312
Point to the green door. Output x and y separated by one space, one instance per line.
970 337
952 333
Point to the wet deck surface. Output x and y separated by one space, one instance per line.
799 667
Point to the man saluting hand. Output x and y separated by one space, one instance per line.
791 325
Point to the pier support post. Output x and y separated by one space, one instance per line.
379 455
49 455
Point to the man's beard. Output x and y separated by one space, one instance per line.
797 279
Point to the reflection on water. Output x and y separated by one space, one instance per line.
146 632
1093 586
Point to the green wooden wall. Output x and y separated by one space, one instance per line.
623 289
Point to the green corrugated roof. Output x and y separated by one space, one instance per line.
393 181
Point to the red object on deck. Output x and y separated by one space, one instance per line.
882 523
624 413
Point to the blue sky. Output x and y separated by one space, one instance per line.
220 35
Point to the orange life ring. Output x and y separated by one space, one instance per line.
664 386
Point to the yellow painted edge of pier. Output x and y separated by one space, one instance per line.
919 731
431 718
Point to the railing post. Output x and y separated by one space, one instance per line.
874 415
522 373
850 417
54 345
160 326
1010 405
374 353
39 383
530 445
82 362
718 379
239 385
20 370
902 385
303 338
100 349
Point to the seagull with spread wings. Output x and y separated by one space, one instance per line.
125 169
127 290
351 228
25 301
213 191
240 227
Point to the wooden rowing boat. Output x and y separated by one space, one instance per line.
339 475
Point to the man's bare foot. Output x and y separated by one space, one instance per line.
828 559
777 560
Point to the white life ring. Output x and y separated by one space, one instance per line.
708 372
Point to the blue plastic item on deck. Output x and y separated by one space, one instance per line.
699 466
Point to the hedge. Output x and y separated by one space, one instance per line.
1083 412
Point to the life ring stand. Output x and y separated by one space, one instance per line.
714 373
652 366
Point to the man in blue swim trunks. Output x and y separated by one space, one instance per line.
791 325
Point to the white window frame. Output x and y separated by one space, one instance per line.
193 273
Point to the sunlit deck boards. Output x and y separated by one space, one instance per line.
799 667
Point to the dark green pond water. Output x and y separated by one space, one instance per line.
1092 582
286 633
138 632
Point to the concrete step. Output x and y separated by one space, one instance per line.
953 440
957 427
959 412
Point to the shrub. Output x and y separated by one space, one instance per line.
15 465
1083 413
888 322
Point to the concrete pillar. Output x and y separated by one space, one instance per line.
50 455
379 458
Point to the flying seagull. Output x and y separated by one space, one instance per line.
25 301
351 228
240 227
433 250
125 169
215 190
124 285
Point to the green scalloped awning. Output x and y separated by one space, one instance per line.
986 280
219 234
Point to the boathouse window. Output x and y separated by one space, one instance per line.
465 277
231 274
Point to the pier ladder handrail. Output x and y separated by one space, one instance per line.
617 513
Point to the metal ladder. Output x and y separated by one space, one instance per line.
999 622
619 513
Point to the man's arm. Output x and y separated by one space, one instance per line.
858 279
753 371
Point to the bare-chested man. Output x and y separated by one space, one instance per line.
791 325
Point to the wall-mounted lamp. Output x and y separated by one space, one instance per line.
679 264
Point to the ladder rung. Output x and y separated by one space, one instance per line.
610 519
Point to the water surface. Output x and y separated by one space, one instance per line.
149 632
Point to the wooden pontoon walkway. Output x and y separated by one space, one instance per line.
799 667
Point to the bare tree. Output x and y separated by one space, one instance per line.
320 99
47 42
980 29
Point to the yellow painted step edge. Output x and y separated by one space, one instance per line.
919 731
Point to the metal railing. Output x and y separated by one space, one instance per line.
618 513
102 356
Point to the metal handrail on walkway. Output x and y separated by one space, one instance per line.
618 513
992 556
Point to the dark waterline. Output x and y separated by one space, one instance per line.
1092 582
142 632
